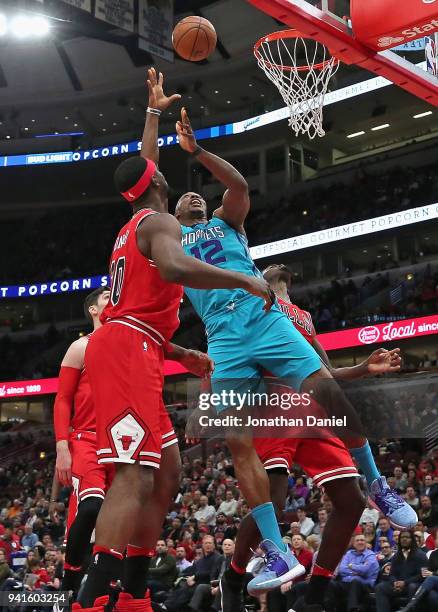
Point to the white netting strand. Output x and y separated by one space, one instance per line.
302 86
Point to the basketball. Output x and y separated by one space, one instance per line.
194 38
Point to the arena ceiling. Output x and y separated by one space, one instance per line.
87 76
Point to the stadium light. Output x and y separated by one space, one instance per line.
3 25
355 134
380 127
425 114
41 26
23 26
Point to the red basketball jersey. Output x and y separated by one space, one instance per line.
300 318
140 298
84 416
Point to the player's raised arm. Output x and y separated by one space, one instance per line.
235 201
159 238
380 361
158 102
69 376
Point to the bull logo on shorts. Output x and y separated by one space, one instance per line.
127 434
126 440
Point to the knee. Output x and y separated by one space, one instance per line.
134 481
167 484
241 446
89 509
347 489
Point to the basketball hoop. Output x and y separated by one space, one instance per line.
302 86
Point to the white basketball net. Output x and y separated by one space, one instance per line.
302 87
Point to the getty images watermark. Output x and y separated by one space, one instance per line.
226 401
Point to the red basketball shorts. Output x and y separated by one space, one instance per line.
125 368
88 477
322 459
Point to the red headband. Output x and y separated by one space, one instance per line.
142 184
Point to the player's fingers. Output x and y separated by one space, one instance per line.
175 97
160 79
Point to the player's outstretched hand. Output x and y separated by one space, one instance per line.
198 363
52 511
157 97
381 361
63 464
186 137
259 287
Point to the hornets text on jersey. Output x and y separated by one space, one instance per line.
218 244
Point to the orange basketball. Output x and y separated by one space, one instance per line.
194 38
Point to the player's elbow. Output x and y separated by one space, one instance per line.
240 186
172 272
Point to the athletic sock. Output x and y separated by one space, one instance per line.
236 569
264 516
135 569
106 565
365 459
71 581
315 592
234 579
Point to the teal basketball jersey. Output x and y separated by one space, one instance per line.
218 244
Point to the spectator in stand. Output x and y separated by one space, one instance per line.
220 528
405 574
29 539
369 515
174 531
207 596
303 554
207 567
231 530
162 571
369 533
386 554
419 538
426 514
206 512
188 544
294 529
301 491
171 547
321 522
426 535
5 570
15 509
306 523
426 596
291 504
9 542
181 562
401 480
411 497
428 482
384 530
357 575
229 506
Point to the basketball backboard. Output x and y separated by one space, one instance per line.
328 21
